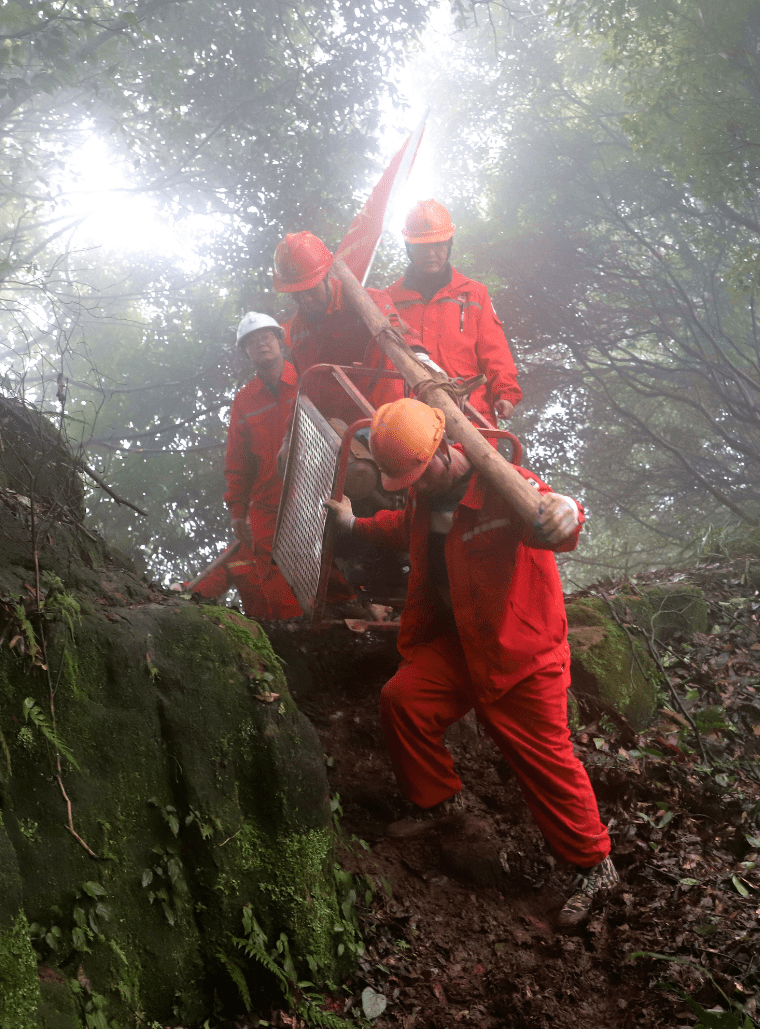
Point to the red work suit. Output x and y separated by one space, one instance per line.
505 654
342 338
257 425
459 329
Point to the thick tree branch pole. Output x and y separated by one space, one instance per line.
216 563
428 387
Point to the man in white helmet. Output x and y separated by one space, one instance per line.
259 413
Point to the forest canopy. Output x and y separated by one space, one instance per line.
600 161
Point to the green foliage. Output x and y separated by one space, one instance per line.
263 124
94 1007
58 603
165 882
730 540
169 814
637 361
299 995
34 714
32 646
20 991
67 936
690 74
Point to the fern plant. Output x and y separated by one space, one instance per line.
33 713
301 996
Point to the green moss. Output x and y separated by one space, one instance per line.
661 611
586 612
259 661
201 737
295 887
610 663
19 987
58 1009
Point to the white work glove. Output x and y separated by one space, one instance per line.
343 514
557 518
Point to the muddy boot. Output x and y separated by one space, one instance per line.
423 820
592 884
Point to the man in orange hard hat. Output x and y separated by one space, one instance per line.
326 330
484 627
452 314
260 412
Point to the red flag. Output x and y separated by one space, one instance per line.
358 246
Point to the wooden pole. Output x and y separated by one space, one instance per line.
522 497
219 560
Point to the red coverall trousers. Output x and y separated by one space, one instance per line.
529 726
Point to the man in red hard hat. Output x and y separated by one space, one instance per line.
326 330
484 627
452 314
260 412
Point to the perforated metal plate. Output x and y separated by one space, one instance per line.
300 532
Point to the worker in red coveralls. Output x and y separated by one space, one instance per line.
484 627
326 330
259 413
452 314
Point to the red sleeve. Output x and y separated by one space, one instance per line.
240 466
387 528
495 357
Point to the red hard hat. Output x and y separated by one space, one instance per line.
403 439
428 222
301 260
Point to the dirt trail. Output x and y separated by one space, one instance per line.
461 941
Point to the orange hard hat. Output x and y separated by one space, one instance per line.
428 222
301 260
403 439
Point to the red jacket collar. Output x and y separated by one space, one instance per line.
289 377
398 290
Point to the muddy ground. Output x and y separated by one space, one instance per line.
455 939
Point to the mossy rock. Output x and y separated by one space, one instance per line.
664 611
197 776
19 989
35 460
610 664
57 1009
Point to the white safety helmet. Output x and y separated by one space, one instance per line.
253 321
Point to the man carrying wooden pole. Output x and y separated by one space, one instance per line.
484 624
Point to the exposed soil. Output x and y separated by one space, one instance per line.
457 937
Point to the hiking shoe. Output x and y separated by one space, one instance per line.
425 819
590 885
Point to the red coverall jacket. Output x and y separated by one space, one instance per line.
460 331
257 425
342 338
505 588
